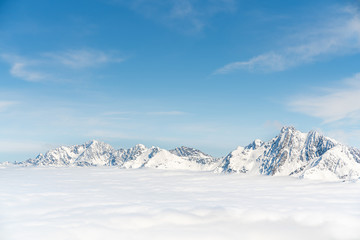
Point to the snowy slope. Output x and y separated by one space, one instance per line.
243 159
306 155
155 157
291 153
338 162
95 153
206 161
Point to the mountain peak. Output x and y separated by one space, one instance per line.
292 152
184 151
288 129
140 146
92 142
255 144
193 154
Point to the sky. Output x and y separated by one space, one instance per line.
210 74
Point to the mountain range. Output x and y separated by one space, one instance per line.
291 153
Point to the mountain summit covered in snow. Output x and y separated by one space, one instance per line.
291 153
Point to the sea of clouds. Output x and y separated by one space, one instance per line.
111 203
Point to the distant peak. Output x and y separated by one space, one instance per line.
255 144
314 132
288 129
139 146
187 151
185 148
89 143
258 142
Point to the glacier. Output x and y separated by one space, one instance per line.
291 153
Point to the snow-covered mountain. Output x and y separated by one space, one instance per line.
305 155
95 153
291 153
195 155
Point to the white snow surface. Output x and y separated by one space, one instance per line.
38 203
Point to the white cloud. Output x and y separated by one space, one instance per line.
39 68
184 15
82 58
334 104
112 204
24 68
6 104
270 61
338 36
20 70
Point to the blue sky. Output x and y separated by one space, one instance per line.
209 74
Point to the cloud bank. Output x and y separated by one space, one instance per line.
110 203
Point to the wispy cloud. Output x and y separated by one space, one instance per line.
337 36
184 15
83 58
24 68
167 113
332 104
38 68
6 104
21 70
265 62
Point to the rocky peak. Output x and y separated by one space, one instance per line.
255 144
185 151
287 129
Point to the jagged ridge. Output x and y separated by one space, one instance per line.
291 153
305 155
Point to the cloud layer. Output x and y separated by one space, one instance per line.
338 36
111 203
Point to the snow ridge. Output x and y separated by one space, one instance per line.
291 153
